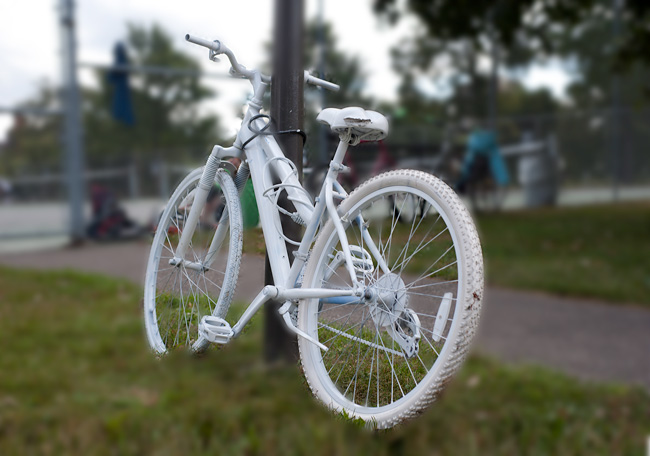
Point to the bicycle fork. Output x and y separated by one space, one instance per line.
200 197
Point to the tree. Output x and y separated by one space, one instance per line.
455 36
169 124
339 68
607 128
456 63
532 24
33 143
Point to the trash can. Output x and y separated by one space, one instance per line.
538 175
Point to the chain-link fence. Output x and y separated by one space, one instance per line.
596 147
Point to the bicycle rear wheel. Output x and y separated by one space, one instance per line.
393 350
177 297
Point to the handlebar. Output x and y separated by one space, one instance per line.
309 79
212 45
217 47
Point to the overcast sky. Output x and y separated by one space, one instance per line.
29 41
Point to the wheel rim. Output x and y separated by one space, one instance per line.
176 297
365 373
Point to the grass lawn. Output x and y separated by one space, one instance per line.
596 251
77 378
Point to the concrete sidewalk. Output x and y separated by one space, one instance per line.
40 225
588 339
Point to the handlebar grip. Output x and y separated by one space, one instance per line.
321 83
213 45
327 85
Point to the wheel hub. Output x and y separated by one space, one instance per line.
388 299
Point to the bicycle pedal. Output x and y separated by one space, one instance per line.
215 329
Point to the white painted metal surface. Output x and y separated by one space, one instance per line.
383 298
443 315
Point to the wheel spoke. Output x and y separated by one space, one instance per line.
181 297
367 361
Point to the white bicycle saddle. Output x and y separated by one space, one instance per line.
367 125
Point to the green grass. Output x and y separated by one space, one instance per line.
77 378
370 377
178 318
598 251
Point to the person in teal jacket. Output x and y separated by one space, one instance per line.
483 155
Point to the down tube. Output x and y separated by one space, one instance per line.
301 201
269 216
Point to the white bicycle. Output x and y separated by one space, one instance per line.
384 311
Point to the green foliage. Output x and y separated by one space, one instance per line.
338 67
169 124
452 67
454 36
78 379
523 27
590 47
33 144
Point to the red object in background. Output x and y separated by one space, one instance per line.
109 220
384 161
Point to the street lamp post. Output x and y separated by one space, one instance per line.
287 110
73 161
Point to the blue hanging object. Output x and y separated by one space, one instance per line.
483 143
121 106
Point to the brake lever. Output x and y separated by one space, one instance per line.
213 55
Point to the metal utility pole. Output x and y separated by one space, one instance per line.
322 48
617 147
73 162
287 110
493 97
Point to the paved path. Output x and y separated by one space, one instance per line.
585 338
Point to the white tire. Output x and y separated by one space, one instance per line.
436 273
176 297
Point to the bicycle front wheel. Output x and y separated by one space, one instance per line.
177 297
392 351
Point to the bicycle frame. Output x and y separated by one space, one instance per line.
267 161
396 334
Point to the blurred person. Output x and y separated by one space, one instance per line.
109 219
482 159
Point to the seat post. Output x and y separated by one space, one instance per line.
342 148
